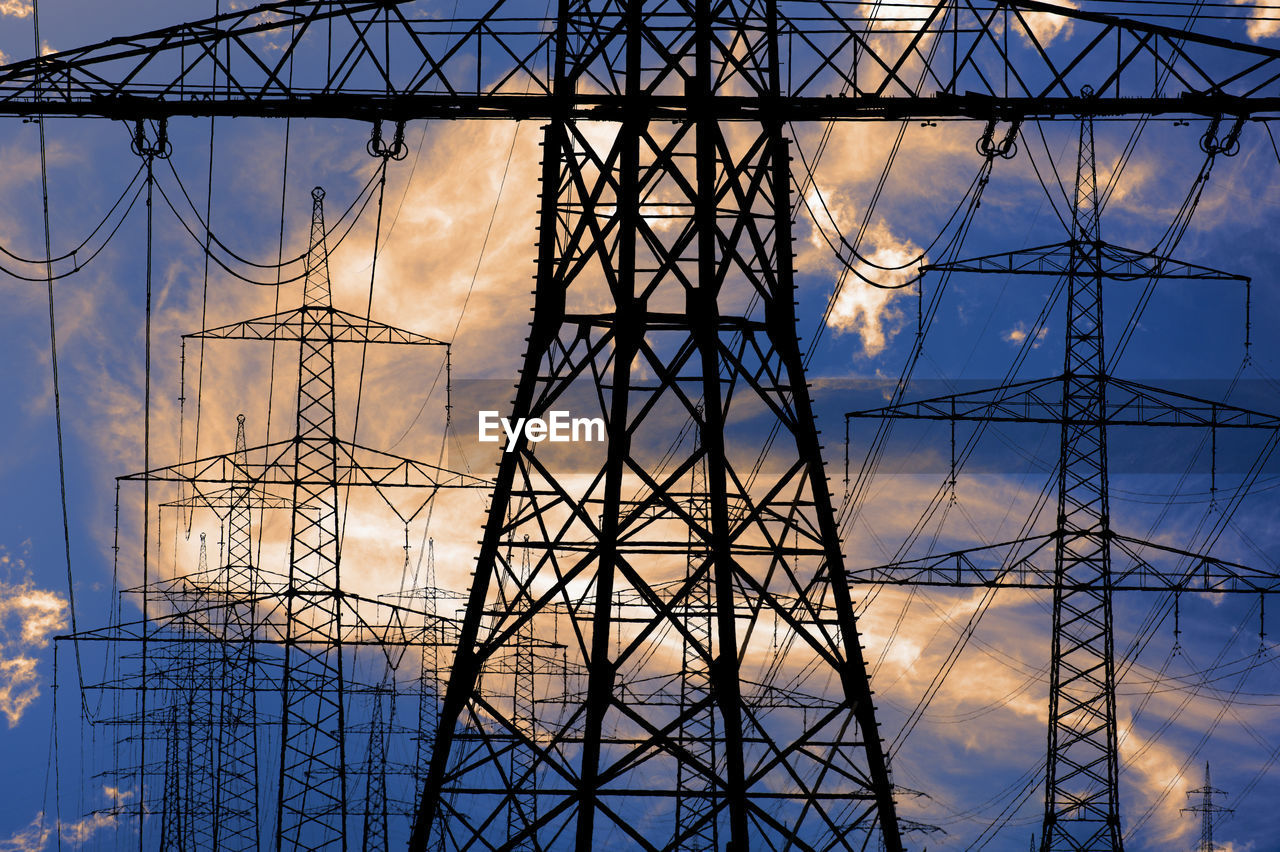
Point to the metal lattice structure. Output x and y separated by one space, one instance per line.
690 321
240 657
1082 802
1208 811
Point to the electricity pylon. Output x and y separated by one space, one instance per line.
695 823
302 618
312 789
1208 811
692 322
1082 808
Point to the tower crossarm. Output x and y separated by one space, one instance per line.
1114 262
1027 563
222 500
939 59
356 466
1127 403
368 621
289 326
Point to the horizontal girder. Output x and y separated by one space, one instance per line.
1027 563
395 60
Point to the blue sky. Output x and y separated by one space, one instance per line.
970 755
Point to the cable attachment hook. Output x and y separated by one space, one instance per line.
159 147
1229 145
1006 148
377 146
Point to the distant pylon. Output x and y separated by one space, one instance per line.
375 797
293 638
238 818
1082 802
1208 810
695 823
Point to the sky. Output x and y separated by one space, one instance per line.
455 260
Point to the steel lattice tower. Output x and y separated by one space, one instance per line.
1208 811
312 789
313 749
1082 810
375 796
706 306
1081 798
695 826
282 635
237 805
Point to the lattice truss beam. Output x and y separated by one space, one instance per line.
407 59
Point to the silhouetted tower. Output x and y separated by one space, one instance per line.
523 813
1208 810
173 804
239 827
312 792
375 792
1081 810
429 676
695 823
284 634
636 324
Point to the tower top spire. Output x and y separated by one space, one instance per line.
316 292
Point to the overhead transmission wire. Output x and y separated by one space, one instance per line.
446 367
204 282
1172 236
475 272
1192 755
358 204
148 158
810 172
80 264
74 252
1143 637
364 346
62 465
1128 151
280 264
973 201
970 204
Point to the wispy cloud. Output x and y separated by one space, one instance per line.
1047 27
1019 333
1263 22
864 304
36 835
15 8
29 616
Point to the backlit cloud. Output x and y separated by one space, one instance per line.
39 833
15 8
863 304
1047 27
1018 334
29 617
1263 22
